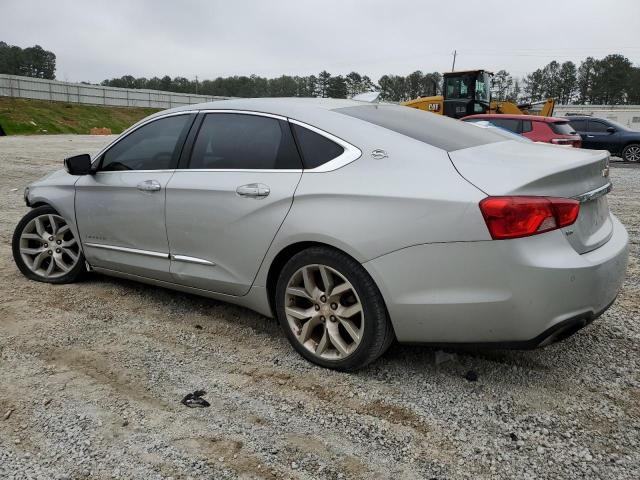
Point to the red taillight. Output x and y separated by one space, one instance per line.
514 217
562 141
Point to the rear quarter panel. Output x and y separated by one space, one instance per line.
371 207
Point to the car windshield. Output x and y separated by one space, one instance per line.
482 88
459 88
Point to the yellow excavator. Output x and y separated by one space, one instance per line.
468 92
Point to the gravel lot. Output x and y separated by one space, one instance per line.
93 374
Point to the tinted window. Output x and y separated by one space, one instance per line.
526 126
154 146
579 125
238 141
597 127
507 123
316 149
436 130
562 128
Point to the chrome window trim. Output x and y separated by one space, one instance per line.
147 253
135 127
593 194
171 170
350 154
187 259
245 112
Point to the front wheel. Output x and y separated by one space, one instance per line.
45 248
331 310
631 153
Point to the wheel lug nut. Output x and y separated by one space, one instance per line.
332 318
58 250
50 252
317 307
51 239
46 245
334 306
323 298
59 242
322 319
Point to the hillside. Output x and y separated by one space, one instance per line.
21 116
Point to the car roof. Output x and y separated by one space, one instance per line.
537 118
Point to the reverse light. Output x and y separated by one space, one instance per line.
519 216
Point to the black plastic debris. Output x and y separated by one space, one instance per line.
195 400
198 327
472 376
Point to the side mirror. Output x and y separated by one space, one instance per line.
611 129
78 164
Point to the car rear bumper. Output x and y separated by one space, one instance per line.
517 293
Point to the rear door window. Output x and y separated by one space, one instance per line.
234 141
316 149
526 126
510 124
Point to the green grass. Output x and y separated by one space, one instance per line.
22 116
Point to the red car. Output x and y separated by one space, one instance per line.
539 129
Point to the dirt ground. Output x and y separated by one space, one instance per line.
92 374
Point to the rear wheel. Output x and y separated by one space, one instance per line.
45 248
331 310
631 153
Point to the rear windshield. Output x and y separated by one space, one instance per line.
562 128
436 130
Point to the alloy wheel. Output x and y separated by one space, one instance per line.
632 154
324 312
48 246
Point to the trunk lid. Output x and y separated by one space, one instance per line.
516 168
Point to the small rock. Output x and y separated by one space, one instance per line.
125 422
471 376
294 465
46 402
198 327
8 414
513 436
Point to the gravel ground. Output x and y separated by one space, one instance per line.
93 373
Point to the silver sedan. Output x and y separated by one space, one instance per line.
353 223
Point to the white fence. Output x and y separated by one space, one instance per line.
27 87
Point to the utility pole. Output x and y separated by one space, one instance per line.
453 67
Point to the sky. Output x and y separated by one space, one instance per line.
94 40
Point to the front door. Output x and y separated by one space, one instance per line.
597 136
120 208
225 208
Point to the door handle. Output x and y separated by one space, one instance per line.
590 136
149 186
253 190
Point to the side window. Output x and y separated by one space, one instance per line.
506 123
597 127
579 125
526 126
316 149
154 146
241 141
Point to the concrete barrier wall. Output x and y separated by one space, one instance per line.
628 115
27 87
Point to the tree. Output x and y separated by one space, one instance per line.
611 79
586 75
322 84
30 62
501 85
337 87
567 79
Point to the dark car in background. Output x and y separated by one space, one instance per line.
605 134
538 129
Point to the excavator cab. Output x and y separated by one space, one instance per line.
466 93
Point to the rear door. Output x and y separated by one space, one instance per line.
226 204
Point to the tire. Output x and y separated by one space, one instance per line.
346 341
60 262
631 153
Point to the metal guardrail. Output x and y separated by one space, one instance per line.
53 90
